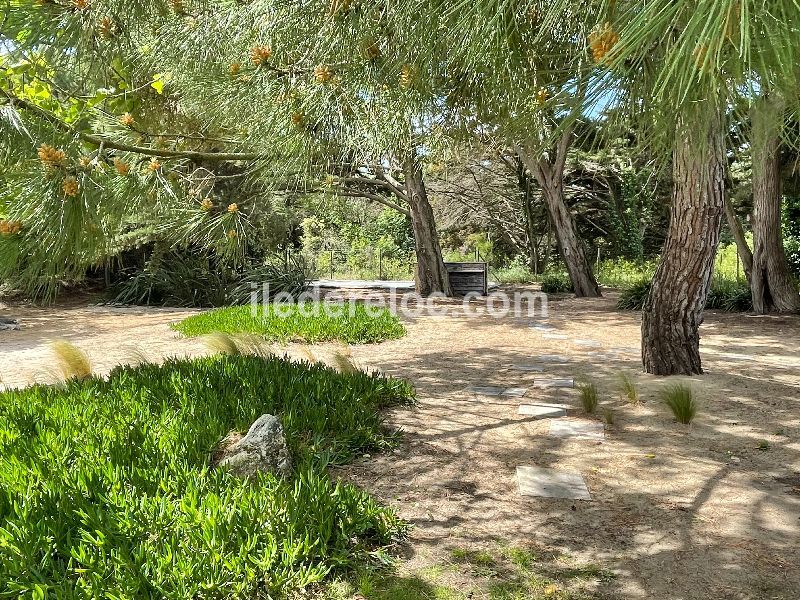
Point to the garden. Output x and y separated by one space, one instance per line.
251 259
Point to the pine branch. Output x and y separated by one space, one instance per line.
106 142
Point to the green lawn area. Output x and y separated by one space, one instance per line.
106 489
309 322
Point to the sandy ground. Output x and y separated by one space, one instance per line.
710 511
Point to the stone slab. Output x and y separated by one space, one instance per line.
543 326
527 368
555 336
587 343
486 390
576 429
552 358
515 392
550 483
542 411
554 383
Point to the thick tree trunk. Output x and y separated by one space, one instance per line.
673 311
550 176
738 235
569 244
772 283
431 275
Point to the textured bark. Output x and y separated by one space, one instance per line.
741 241
673 311
772 283
431 275
550 176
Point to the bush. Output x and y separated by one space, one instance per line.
556 283
681 402
726 295
200 280
106 489
730 296
308 322
627 389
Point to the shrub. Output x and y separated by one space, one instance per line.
634 295
556 283
608 415
627 389
727 295
681 402
307 322
730 296
588 397
200 280
106 489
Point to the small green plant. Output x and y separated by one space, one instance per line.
608 416
681 402
627 389
634 295
763 445
588 397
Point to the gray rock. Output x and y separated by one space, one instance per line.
8 324
262 450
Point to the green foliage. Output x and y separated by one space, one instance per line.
556 282
791 232
730 296
726 295
200 279
608 415
106 488
307 322
620 272
681 401
589 399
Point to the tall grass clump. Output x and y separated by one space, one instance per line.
308 322
588 397
628 390
71 361
556 283
106 488
681 402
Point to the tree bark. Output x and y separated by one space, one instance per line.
550 176
431 275
772 283
673 310
738 235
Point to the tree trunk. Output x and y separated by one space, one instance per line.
550 176
772 283
431 275
673 310
738 235
569 244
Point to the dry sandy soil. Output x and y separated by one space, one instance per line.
709 511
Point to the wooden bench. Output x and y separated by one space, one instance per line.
466 277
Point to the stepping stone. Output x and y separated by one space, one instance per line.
486 390
553 358
515 392
553 383
527 368
737 356
587 343
549 483
542 326
555 336
542 411
574 429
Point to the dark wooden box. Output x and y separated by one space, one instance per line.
468 277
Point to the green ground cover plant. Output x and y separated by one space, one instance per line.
309 322
107 488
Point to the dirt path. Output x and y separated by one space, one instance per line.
710 511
